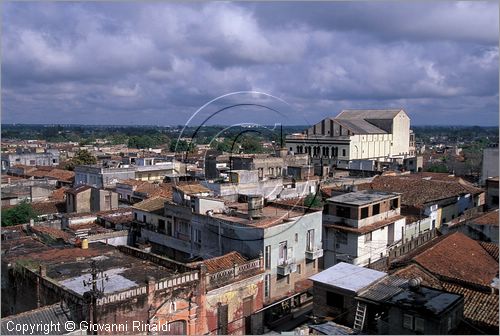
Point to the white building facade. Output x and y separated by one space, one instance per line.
376 135
361 227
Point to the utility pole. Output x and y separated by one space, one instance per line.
94 293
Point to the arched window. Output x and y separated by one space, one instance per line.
176 328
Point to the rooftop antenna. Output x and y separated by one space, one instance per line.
281 135
95 292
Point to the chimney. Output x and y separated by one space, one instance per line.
42 270
255 206
150 284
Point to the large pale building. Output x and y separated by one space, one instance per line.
355 137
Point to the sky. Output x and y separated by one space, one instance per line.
159 63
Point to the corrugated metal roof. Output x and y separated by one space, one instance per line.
151 204
384 289
349 277
332 328
57 313
368 114
360 126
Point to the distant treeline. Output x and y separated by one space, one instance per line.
152 136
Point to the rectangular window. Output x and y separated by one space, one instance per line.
419 324
341 237
107 202
376 209
248 306
161 226
222 319
364 212
267 285
144 218
197 236
368 237
344 212
343 152
169 228
135 215
334 300
408 321
182 229
310 240
282 256
395 203
298 269
267 255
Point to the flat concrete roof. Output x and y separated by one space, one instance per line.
347 276
362 197
124 271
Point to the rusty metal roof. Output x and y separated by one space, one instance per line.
57 313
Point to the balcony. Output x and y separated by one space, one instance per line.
289 266
313 255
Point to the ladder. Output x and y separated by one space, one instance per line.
359 318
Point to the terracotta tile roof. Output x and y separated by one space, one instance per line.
49 207
59 194
59 174
417 191
224 262
438 176
52 232
119 219
132 182
491 248
457 256
479 308
151 204
363 229
490 218
156 189
91 228
192 188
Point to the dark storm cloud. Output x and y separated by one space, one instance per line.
157 63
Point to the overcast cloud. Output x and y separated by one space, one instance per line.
157 63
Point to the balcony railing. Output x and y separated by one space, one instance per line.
234 273
315 254
287 267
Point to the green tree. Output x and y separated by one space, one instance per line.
222 146
313 201
82 157
251 145
179 146
438 168
20 214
